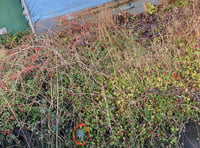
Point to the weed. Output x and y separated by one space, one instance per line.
128 90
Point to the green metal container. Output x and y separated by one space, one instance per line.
11 16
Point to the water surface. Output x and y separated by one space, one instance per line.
44 9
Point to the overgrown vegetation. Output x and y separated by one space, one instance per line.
11 40
131 83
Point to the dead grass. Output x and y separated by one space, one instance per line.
100 73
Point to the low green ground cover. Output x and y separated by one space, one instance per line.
126 90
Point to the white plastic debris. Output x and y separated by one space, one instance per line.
3 31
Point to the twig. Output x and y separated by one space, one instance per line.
107 109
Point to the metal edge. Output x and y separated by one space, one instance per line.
28 15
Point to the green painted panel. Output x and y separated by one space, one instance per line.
11 16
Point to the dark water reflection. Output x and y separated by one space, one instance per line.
191 136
